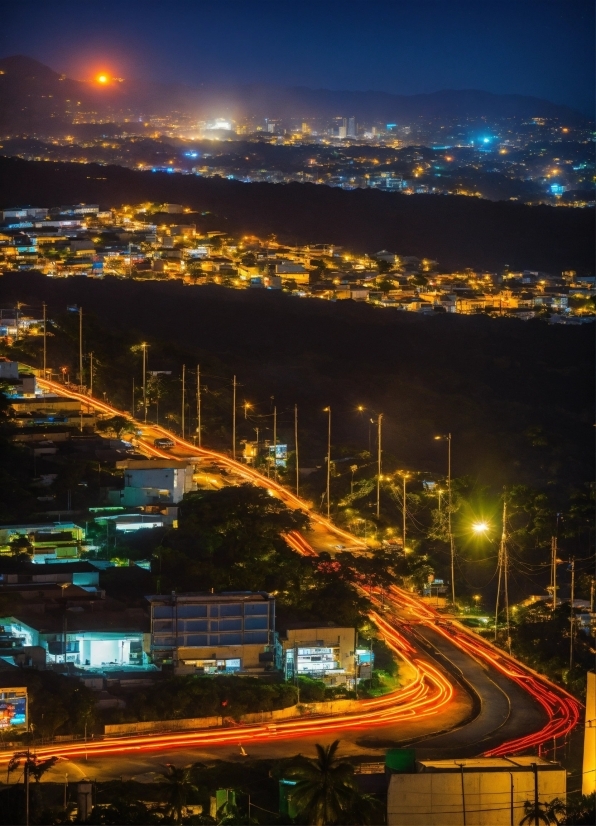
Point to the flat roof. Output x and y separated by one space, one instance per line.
487 764
224 596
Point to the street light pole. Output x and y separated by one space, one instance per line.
405 476
503 575
183 396
296 447
144 347
44 340
80 349
451 542
199 403
234 418
571 617
91 374
275 442
449 503
328 410
379 453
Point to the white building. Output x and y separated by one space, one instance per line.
153 482
485 791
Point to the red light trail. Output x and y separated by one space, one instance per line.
430 691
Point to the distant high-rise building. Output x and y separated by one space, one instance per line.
351 127
306 129
342 131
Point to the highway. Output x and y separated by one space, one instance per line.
464 696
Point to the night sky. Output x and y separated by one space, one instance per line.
534 47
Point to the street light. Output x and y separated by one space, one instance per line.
447 438
144 349
480 527
328 410
405 475
247 406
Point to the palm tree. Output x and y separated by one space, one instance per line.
325 786
540 812
33 766
177 785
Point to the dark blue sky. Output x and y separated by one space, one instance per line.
534 47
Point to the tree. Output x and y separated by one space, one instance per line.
33 766
543 812
116 424
325 786
177 785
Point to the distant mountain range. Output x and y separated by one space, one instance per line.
34 97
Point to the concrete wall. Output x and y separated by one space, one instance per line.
436 799
334 707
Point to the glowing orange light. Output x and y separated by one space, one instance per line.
102 78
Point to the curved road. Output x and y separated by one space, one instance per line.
466 698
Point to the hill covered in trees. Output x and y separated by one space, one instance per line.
517 396
457 231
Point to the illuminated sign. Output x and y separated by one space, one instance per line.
13 707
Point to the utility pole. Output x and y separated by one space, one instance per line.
449 501
503 577
27 767
379 453
275 442
144 346
296 447
44 341
571 617
234 419
81 349
183 396
328 410
133 397
199 403
403 512
553 570
91 373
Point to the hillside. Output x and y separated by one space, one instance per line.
518 397
457 231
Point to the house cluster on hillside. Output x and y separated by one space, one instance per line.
163 242
75 603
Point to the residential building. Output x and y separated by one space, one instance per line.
326 653
153 482
57 541
230 632
484 791
83 640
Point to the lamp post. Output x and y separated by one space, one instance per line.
449 502
404 476
80 349
379 454
199 403
234 417
328 410
296 448
144 349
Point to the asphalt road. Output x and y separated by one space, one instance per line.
487 709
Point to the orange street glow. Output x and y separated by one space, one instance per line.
102 78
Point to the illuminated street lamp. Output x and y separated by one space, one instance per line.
144 349
247 406
480 527
405 476
447 437
328 410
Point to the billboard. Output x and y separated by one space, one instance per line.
13 708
